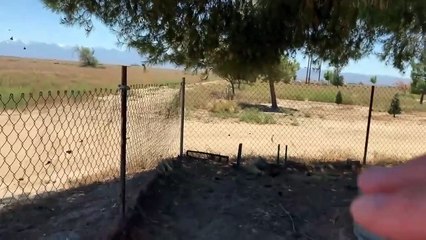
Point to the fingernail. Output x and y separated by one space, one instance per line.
368 204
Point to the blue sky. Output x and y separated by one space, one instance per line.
30 21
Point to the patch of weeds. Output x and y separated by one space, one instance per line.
308 115
225 109
253 115
294 122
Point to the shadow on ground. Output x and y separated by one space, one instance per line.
268 109
89 212
202 199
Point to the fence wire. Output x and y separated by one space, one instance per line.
153 125
307 119
63 140
57 141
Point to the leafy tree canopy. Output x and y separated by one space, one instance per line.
334 77
418 77
87 57
257 33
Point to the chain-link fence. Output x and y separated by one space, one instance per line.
58 141
307 119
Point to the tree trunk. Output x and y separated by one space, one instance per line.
233 90
422 97
307 69
239 84
274 104
319 72
310 71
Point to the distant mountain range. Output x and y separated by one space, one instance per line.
129 57
66 53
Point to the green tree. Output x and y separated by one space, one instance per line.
285 71
421 87
418 78
87 57
395 107
201 34
339 98
373 80
334 77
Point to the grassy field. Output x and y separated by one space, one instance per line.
259 93
19 75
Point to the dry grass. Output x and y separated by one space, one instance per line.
19 75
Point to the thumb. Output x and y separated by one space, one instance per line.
399 215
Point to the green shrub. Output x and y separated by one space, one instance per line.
395 107
87 57
253 115
339 98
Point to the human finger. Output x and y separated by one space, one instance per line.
398 215
381 179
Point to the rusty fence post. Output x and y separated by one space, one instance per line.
123 89
367 137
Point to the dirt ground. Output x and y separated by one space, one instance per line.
89 212
312 130
63 146
208 200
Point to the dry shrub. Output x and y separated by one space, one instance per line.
402 86
225 106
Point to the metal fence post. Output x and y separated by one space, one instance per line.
285 155
278 154
123 88
182 117
240 151
368 125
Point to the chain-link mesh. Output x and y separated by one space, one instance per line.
401 137
153 125
308 120
57 141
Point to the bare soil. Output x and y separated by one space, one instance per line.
312 130
89 212
208 200
66 145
